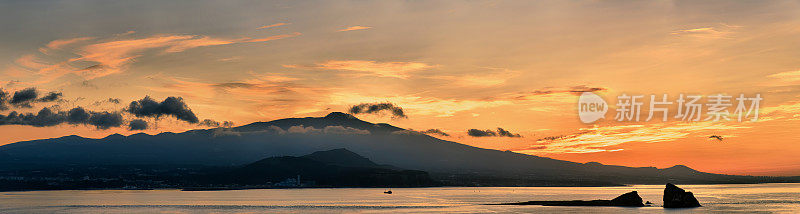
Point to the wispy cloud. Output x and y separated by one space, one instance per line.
551 94
111 56
715 32
599 138
354 28
60 43
488 78
381 69
272 25
789 76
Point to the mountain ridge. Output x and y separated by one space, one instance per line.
448 161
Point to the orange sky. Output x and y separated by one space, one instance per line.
450 65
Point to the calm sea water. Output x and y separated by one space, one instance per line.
766 198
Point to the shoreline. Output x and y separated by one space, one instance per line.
209 189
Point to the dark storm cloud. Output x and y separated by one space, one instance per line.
51 96
114 100
436 132
24 97
137 124
172 106
372 108
490 133
47 117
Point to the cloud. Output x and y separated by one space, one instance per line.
503 133
51 96
303 130
105 120
537 147
370 68
109 100
3 100
209 122
212 123
413 132
113 55
78 115
60 43
234 85
489 133
711 32
488 77
260 95
421 105
24 97
299 129
272 25
137 124
172 106
336 130
339 130
436 132
481 133
573 90
597 138
276 37
787 76
578 90
373 108
354 28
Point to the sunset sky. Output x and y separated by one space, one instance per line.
452 66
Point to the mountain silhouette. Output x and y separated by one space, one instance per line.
450 162
335 168
341 157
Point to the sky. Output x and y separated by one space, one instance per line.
452 66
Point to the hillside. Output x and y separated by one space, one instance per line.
450 162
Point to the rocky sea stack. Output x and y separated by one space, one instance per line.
631 199
675 197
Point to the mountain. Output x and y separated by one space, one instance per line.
450 162
333 168
341 157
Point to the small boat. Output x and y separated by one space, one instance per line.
388 191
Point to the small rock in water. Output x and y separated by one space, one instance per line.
631 199
675 197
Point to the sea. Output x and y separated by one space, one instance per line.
728 198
